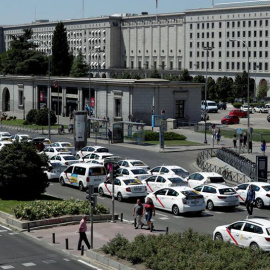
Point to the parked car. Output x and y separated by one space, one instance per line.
260 109
267 105
124 188
100 157
211 106
132 163
91 149
135 172
239 113
169 170
268 117
262 193
157 182
200 178
54 170
4 143
22 138
218 195
252 232
222 106
230 119
178 200
65 160
52 151
245 108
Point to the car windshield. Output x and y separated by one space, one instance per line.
61 150
137 163
25 137
227 191
212 104
69 158
266 188
176 180
132 181
181 172
66 144
216 179
139 171
227 116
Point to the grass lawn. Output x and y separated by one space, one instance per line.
19 122
176 143
7 205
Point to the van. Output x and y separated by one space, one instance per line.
82 175
211 106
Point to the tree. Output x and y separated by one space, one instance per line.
155 74
42 117
224 88
262 91
211 86
240 86
21 174
61 62
79 67
185 77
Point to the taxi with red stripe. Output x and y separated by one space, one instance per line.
124 188
178 200
253 232
262 193
156 182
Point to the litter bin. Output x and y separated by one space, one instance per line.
250 146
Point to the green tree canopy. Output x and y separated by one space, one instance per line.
79 67
185 77
21 174
262 91
61 60
155 74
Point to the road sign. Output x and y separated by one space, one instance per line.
95 127
239 131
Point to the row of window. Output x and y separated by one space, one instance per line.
233 24
229 66
155 65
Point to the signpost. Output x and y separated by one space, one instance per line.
96 130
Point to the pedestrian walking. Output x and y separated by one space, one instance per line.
82 232
245 140
138 212
250 200
234 140
241 140
214 134
149 210
110 136
218 135
263 147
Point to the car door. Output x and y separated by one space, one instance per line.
108 187
171 199
242 192
151 184
117 187
67 175
160 181
159 198
250 233
164 170
155 170
233 233
257 190
209 193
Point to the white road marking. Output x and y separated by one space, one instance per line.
7 267
128 221
67 260
161 215
90 265
3 231
28 264
163 218
13 233
100 198
5 228
178 217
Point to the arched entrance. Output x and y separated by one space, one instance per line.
6 100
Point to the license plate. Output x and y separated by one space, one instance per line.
195 202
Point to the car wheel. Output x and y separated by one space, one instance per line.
259 203
268 118
119 197
218 237
77 156
254 246
210 205
81 187
62 181
100 192
175 210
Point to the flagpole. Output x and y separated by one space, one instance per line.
156 8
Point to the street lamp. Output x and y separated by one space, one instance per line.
205 91
24 108
49 83
248 114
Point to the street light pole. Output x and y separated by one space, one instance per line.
255 88
205 90
248 114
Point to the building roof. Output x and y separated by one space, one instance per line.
242 4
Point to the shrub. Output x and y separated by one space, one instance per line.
42 117
47 209
31 116
154 136
237 105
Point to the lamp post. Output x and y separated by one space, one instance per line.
248 114
255 88
49 92
24 108
205 91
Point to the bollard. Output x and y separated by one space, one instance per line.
28 227
121 217
53 238
66 243
151 227
135 222
167 230
82 251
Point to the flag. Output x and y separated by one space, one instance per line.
156 3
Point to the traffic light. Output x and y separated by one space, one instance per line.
115 170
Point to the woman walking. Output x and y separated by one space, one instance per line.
263 147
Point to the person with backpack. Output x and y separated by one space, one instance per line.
110 136
149 210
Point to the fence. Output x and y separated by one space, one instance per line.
222 170
32 129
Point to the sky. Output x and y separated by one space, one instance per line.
26 11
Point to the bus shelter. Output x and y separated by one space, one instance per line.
98 127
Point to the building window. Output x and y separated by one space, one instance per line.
233 34
190 54
179 65
255 54
244 66
266 54
202 64
255 33
255 23
198 45
266 33
238 65
171 65
260 54
220 24
190 26
139 64
238 54
207 35
227 65
249 43
190 65
232 65
266 43
213 25
233 23
244 23
179 109
228 34
249 33
20 97
266 22
228 24
255 43
198 53
238 24
212 65
260 44
232 54
132 64
244 34
220 34
202 25
213 34
190 44
190 35
155 64
238 33
249 23
202 35
207 25
261 22
266 66
219 44
198 35
213 54
261 33
219 65
219 54
118 107
202 53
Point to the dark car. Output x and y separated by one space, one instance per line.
230 119
222 106
238 113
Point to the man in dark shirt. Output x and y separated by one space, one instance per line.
137 212
250 200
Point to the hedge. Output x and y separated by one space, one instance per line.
154 136
189 250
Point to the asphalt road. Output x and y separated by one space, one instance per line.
19 252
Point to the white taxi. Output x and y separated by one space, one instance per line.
100 157
91 149
156 182
4 143
178 200
218 195
129 163
200 178
52 151
54 170
124 188
65 160
169 169
135 172
262 193
252 232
